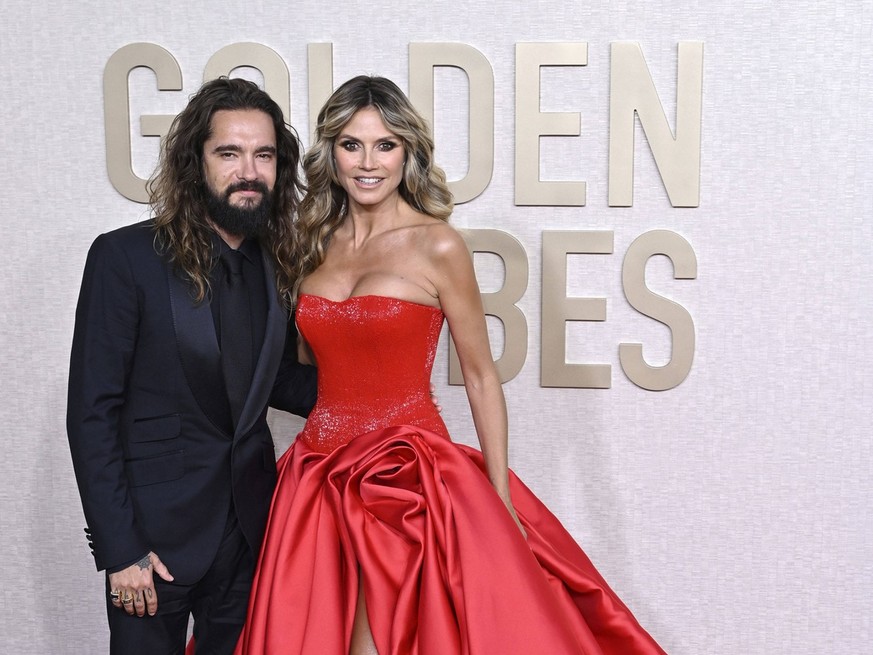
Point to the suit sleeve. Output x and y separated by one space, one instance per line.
104 342
296 384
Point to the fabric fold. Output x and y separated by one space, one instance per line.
444 567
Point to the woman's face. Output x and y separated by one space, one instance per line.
369 159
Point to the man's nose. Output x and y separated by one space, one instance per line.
247 169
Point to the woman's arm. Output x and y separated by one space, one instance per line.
455 281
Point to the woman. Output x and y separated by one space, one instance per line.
385 536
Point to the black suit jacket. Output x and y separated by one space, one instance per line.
157 461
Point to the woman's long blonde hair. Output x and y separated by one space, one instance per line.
325 205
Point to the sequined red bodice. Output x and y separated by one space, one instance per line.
375 356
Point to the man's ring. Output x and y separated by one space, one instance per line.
114 594
127 600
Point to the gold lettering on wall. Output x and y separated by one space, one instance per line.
423 58
558 309
531 124
632 93
277 79
502 303
116 110
671 314
320 71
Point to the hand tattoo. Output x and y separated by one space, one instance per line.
144 563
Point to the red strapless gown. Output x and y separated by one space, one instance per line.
373 484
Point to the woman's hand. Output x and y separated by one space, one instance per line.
507 501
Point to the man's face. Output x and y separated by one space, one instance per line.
239 169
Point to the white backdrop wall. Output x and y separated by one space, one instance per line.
732 513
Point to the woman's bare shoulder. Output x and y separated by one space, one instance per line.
438 238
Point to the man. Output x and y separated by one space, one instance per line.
181 342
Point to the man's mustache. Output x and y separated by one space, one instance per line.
245 185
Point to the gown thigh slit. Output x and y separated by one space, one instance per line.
374 484
362 637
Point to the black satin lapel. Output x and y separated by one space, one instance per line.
199 352
270 356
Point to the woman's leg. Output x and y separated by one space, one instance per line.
362 638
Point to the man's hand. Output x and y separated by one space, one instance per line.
434 399
133 588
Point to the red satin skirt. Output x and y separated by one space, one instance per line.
412 517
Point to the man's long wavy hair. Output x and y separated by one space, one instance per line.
325 205
177 191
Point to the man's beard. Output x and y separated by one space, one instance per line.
246 221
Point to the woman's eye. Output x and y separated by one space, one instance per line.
349 145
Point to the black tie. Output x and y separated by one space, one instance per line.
236 332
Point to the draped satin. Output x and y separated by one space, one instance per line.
411 516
